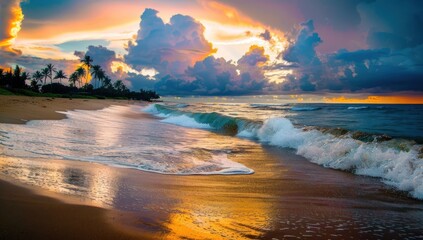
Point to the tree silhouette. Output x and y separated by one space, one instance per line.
16 79
45 72
98 74
120 87
73 78
2 77
51 70
60 75
80 72
37 76
87 62
107 82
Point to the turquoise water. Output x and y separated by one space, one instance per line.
382 141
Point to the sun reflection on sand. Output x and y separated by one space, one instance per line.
97 184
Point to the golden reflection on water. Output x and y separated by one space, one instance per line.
220 219
93 184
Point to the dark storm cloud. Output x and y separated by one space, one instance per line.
302 51
367 70
393 24
379 70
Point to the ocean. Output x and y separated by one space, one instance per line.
381 141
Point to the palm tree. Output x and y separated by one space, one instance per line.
73 78
80 71
107 82
60 75
97 73
38 76
2 78
120 86
87 62
51 70
45 72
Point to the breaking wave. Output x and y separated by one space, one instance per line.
108 137
398 162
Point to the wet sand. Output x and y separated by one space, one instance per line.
286 198
27 215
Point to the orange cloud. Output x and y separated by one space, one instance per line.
11 15
377 100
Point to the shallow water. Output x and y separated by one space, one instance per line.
110 136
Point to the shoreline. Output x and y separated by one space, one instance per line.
21 109
286 196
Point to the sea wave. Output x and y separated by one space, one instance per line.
109 137
182 105
358 108
305 108
270 106
398 162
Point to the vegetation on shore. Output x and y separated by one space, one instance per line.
87 81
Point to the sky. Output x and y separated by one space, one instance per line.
343 51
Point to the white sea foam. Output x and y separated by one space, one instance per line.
358 108
246 134
396 162
400 168
109 137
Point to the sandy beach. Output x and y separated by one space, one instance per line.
287 197
30 212
20 109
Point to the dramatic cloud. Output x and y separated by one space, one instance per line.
302 55
101 56
216 76
350 46
10 24
379 70
169 48
302 51
367 70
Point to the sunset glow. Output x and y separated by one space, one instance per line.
377 100
303 52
